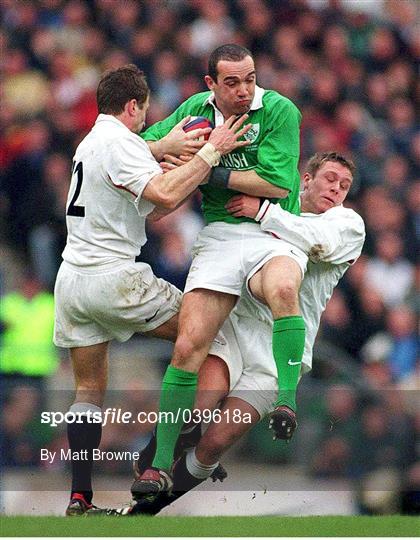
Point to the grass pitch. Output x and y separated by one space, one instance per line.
211 526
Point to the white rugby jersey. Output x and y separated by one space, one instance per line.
335 238
105 211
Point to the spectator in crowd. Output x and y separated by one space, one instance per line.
390 266
22 435
47 240
401 326
27 352
332 452
376 445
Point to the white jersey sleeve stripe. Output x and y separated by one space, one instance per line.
120 186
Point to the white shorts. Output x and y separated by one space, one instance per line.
246 348
247 352
96 305
225 254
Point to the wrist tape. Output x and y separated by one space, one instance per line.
209 154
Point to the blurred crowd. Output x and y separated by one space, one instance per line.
351 68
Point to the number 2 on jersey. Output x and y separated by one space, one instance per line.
73 209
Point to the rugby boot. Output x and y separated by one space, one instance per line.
151 507
183 482
283 423
78 505
111 512
185 442
151 483
219 473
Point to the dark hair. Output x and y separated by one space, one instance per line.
318 159
231 52
118 86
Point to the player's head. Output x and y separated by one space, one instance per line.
231 76
124 92
327 181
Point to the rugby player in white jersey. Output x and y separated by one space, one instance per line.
102 291
241 372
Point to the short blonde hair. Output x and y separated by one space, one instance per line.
318 159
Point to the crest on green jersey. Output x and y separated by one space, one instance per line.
252 134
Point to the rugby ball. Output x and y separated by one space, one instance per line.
199 122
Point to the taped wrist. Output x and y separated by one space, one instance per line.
263 210
219 177
209 154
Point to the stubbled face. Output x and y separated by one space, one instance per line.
329 187
234 88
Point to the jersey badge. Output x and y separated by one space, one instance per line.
252 134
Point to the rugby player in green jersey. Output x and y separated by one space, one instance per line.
231 248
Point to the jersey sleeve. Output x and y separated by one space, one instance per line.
337 236
130 166
278 152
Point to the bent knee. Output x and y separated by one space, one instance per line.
285 292
189 351
185 347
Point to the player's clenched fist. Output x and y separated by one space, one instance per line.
224 138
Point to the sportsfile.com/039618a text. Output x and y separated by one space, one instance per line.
113 415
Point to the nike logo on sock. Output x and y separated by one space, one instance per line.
291 363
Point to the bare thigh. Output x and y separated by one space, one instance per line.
201 316
277 285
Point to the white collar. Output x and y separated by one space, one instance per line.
256 102
109 118
218 116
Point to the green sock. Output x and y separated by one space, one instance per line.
177 395
288 346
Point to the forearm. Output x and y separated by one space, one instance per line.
157 148
251 183
170 189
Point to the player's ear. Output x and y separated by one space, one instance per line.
209 81
130 106
306 180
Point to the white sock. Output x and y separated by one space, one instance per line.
198 469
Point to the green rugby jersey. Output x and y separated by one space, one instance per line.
273 153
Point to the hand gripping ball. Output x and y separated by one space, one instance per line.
199 122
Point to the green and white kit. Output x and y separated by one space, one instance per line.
273 153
